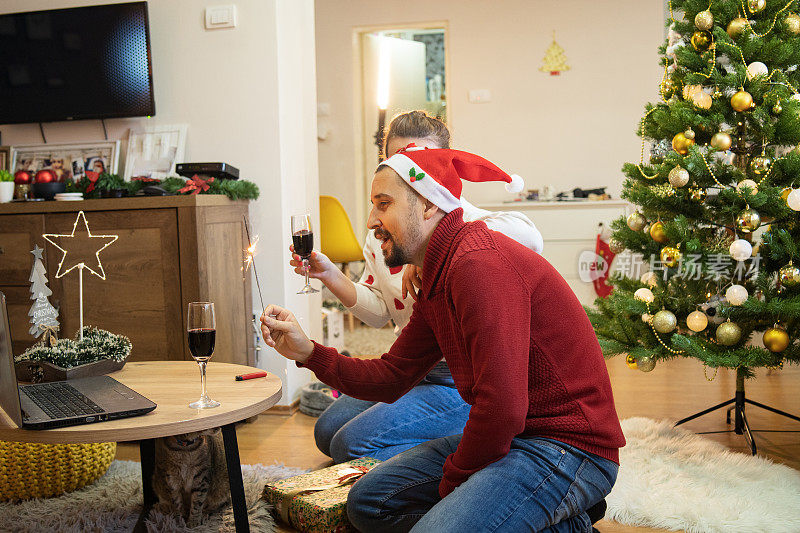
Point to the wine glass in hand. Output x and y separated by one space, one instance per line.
202 333
303 241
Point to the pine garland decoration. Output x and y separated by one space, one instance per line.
97 344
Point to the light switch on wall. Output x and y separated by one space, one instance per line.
480 96
221 17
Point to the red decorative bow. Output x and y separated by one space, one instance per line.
196 185
92 177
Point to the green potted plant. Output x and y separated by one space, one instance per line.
111 186
6 186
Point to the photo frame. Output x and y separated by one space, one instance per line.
154 152
5 158
67 160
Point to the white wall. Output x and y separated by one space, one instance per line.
573 130
248 95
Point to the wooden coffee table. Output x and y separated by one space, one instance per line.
172 385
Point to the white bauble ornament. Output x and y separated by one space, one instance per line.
645 295
750 184
650 279
741 250
736 295
697 321
756 68
793 200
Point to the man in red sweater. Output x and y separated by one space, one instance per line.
541 444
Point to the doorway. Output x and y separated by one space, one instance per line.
402 69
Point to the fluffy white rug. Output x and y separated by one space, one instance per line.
112 504
673 479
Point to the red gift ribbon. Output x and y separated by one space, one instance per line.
196 184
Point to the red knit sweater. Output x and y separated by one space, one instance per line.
520 346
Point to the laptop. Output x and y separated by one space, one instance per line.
62 403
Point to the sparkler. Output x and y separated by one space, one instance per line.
248 260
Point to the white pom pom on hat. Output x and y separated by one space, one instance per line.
516 184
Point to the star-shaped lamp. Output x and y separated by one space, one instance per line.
82 251
81 248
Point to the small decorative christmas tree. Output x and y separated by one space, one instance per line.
555 62
44 317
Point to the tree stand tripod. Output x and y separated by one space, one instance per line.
740 427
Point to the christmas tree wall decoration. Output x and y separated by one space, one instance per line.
717 224
81 250
44 317
554 62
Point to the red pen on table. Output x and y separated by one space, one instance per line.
252 375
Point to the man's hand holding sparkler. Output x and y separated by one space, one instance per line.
282 331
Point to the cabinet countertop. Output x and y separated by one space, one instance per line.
116 204
571 204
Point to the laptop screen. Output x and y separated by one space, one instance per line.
9 391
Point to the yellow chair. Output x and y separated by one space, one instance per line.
337 239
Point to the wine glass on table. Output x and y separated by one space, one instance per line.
202 334
303 241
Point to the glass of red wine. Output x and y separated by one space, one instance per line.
202 334
303 241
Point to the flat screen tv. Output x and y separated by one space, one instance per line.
79 63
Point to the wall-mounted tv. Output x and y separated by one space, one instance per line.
78 63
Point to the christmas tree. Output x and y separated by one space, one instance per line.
717 228
44 317
554 62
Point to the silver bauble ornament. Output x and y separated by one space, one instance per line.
665 321
789 275
616 246
760 165
678 176
636 221
646 363
756 6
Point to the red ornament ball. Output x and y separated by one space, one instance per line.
22 177
46 176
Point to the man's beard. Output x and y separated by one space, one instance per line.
397 255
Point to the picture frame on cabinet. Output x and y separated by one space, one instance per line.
154 152
67 160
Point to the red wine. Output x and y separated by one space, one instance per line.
303 241
201 343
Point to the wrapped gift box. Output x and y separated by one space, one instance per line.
333 328
315 502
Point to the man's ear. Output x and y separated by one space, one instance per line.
430 210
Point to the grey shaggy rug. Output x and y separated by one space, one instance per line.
113 502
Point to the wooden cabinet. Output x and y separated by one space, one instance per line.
170 251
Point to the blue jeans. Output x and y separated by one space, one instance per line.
541 485
352 428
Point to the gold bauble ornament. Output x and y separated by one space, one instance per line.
697 321
616 246
760 165
665 321
748 220
728 333
742 101
785 193
630 361
704 20
678 176
792 23
636 221
657 233
756 6
736 27
689 134
669 88
776 339
646 363
777 108
701 40
698 195
721 141
670 256
681 144
789 275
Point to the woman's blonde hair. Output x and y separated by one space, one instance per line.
420 125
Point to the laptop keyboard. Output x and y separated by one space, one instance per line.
61 400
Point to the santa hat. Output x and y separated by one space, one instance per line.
436 173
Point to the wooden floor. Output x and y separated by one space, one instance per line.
673 390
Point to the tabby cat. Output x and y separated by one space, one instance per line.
190 476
